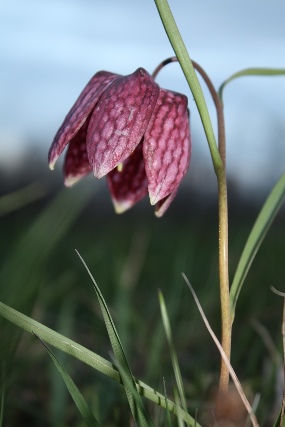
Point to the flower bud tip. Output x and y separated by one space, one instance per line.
70 181
121 207
153 199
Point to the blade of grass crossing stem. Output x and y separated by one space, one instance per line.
119 353
173 355
89 357
167 410
59 393
257 234
77 397
257 72
131 386
177 403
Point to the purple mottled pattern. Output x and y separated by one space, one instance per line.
119 120
129 185
76 164
131 131
79 113
167 145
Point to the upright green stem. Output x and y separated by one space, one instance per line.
190 75
224 279
218 154
223 232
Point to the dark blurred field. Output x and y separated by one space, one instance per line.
131 257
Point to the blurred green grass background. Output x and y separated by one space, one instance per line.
131 256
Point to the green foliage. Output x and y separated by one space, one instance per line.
174 360
79 400
90 358
139 413
160 267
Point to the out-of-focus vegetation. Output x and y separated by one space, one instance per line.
131 257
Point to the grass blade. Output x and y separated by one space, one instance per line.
167 410
59 341
177 402
89 357
147 422
173 355
257 72
77 397
132 394
257 234
58 391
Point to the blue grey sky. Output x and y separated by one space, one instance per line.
50 49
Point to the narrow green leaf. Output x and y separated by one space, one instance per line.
118 350
167 410
87 356
77 397
59 341
177 403
173 355
257 234
183 57
142 421
59 393
251 72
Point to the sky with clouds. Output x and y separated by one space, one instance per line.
50 49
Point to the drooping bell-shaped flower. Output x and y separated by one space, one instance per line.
132 131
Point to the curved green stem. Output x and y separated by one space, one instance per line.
251 72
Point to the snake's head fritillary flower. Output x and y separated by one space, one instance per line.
133 132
